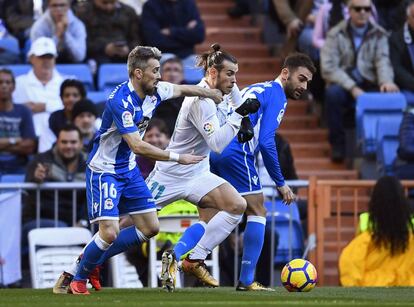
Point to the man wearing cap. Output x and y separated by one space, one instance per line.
67 31
85 118
39 88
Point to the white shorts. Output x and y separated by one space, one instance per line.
166 189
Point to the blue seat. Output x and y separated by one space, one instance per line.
289 239
370 107
19 69
110 75
387 153
192 74
12 178
81 72
388 126
97 97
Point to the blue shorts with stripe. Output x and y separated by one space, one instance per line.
236 165
111 195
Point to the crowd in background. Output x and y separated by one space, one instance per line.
46 121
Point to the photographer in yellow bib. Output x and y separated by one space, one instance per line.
382 254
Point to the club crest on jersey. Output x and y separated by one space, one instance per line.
208 128
127 120
108 205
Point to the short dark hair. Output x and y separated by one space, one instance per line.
172 60
295 60
69 128
8 72
73 83
214 58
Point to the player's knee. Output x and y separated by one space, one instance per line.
151 230
238 206
109 235
257 210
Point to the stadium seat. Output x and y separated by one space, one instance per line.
110 75
81 72
19 69
289 229
387 153
370 107
124 274
388 126
192 74
52 250
176 223
10 47
97 97
12 178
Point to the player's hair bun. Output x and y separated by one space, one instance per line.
216 47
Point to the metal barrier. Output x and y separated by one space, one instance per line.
333 215
76 186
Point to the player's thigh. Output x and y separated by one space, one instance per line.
166 189
255 204
136 197
103 192
224 197
147 223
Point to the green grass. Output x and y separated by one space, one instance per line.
324 296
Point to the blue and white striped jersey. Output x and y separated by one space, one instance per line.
273 104
124 113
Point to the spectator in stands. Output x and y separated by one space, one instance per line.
382 255
173 26
39 88
67 31
404 164
63 163
17 136
157 135
171 71
9 46
84 116
391 13
402 55
112 28
354 59
71 91
135 4
20 15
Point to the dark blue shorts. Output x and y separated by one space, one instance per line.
111 195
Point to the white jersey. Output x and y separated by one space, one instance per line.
201 126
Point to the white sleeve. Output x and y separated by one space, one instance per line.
46 140
20 94
165 90
203 116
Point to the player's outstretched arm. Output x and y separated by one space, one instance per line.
197 91
139 147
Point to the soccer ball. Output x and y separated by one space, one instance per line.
299 275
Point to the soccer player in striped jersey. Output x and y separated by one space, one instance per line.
114 185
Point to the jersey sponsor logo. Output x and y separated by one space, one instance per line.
109 204
255 179
281 113
208 128
143 124
127 120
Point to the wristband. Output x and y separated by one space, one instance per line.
174 156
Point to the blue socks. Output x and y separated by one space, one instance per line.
252 247
91 255
127 238
189 239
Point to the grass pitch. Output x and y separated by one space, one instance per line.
324 296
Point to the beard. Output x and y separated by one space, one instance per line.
149 91
290 91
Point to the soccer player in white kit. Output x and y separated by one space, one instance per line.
200 128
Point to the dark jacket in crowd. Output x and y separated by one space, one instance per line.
56 173
174 15
121 25
401 61
19 17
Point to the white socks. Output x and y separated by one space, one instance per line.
217 230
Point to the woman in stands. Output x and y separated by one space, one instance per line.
382 255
